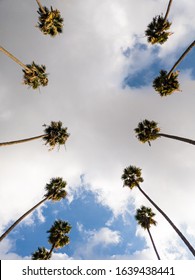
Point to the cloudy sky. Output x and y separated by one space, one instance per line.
100 75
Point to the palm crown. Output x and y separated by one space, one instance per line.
55 134
147 131
41 254
144 217
56 189
157 30
132 176
35 75
166 84
58 234
50 21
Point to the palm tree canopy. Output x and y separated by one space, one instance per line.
56 189
41 254
55 134
147 131
58 234
50 21
157 30
35 75
144 217
132 176
166 83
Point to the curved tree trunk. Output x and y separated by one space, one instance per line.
51 250
21 141
40 6
187 243
20 219
186 140
14 58
181 58
154 246
168 10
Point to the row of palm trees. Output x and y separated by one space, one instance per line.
55 191
50 23
158 32
132 177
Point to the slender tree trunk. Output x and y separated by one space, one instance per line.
168 10
40 6
14 58
169 221
186 140
154 246
20 219
181 58
51 250
21 141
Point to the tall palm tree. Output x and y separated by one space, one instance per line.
55 191
148 130
58 235
167 83
34 74
58 238
50 21
41 254
157 30
132 178
54 134
144 217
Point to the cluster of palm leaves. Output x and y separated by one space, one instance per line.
50 21
35 75
157 31
55 133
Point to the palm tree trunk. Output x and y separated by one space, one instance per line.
168 10
51 250
21 141
20 219
186 140
40 6
14 58
154 246
181 58
169 221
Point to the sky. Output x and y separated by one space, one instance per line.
101 70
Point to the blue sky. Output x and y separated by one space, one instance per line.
86 217
101 70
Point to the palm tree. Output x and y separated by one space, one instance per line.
54 134
148 130
167 83
34 74
50 21
58 235
41 254
132 178
157 30
55 191
144 217
58 238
